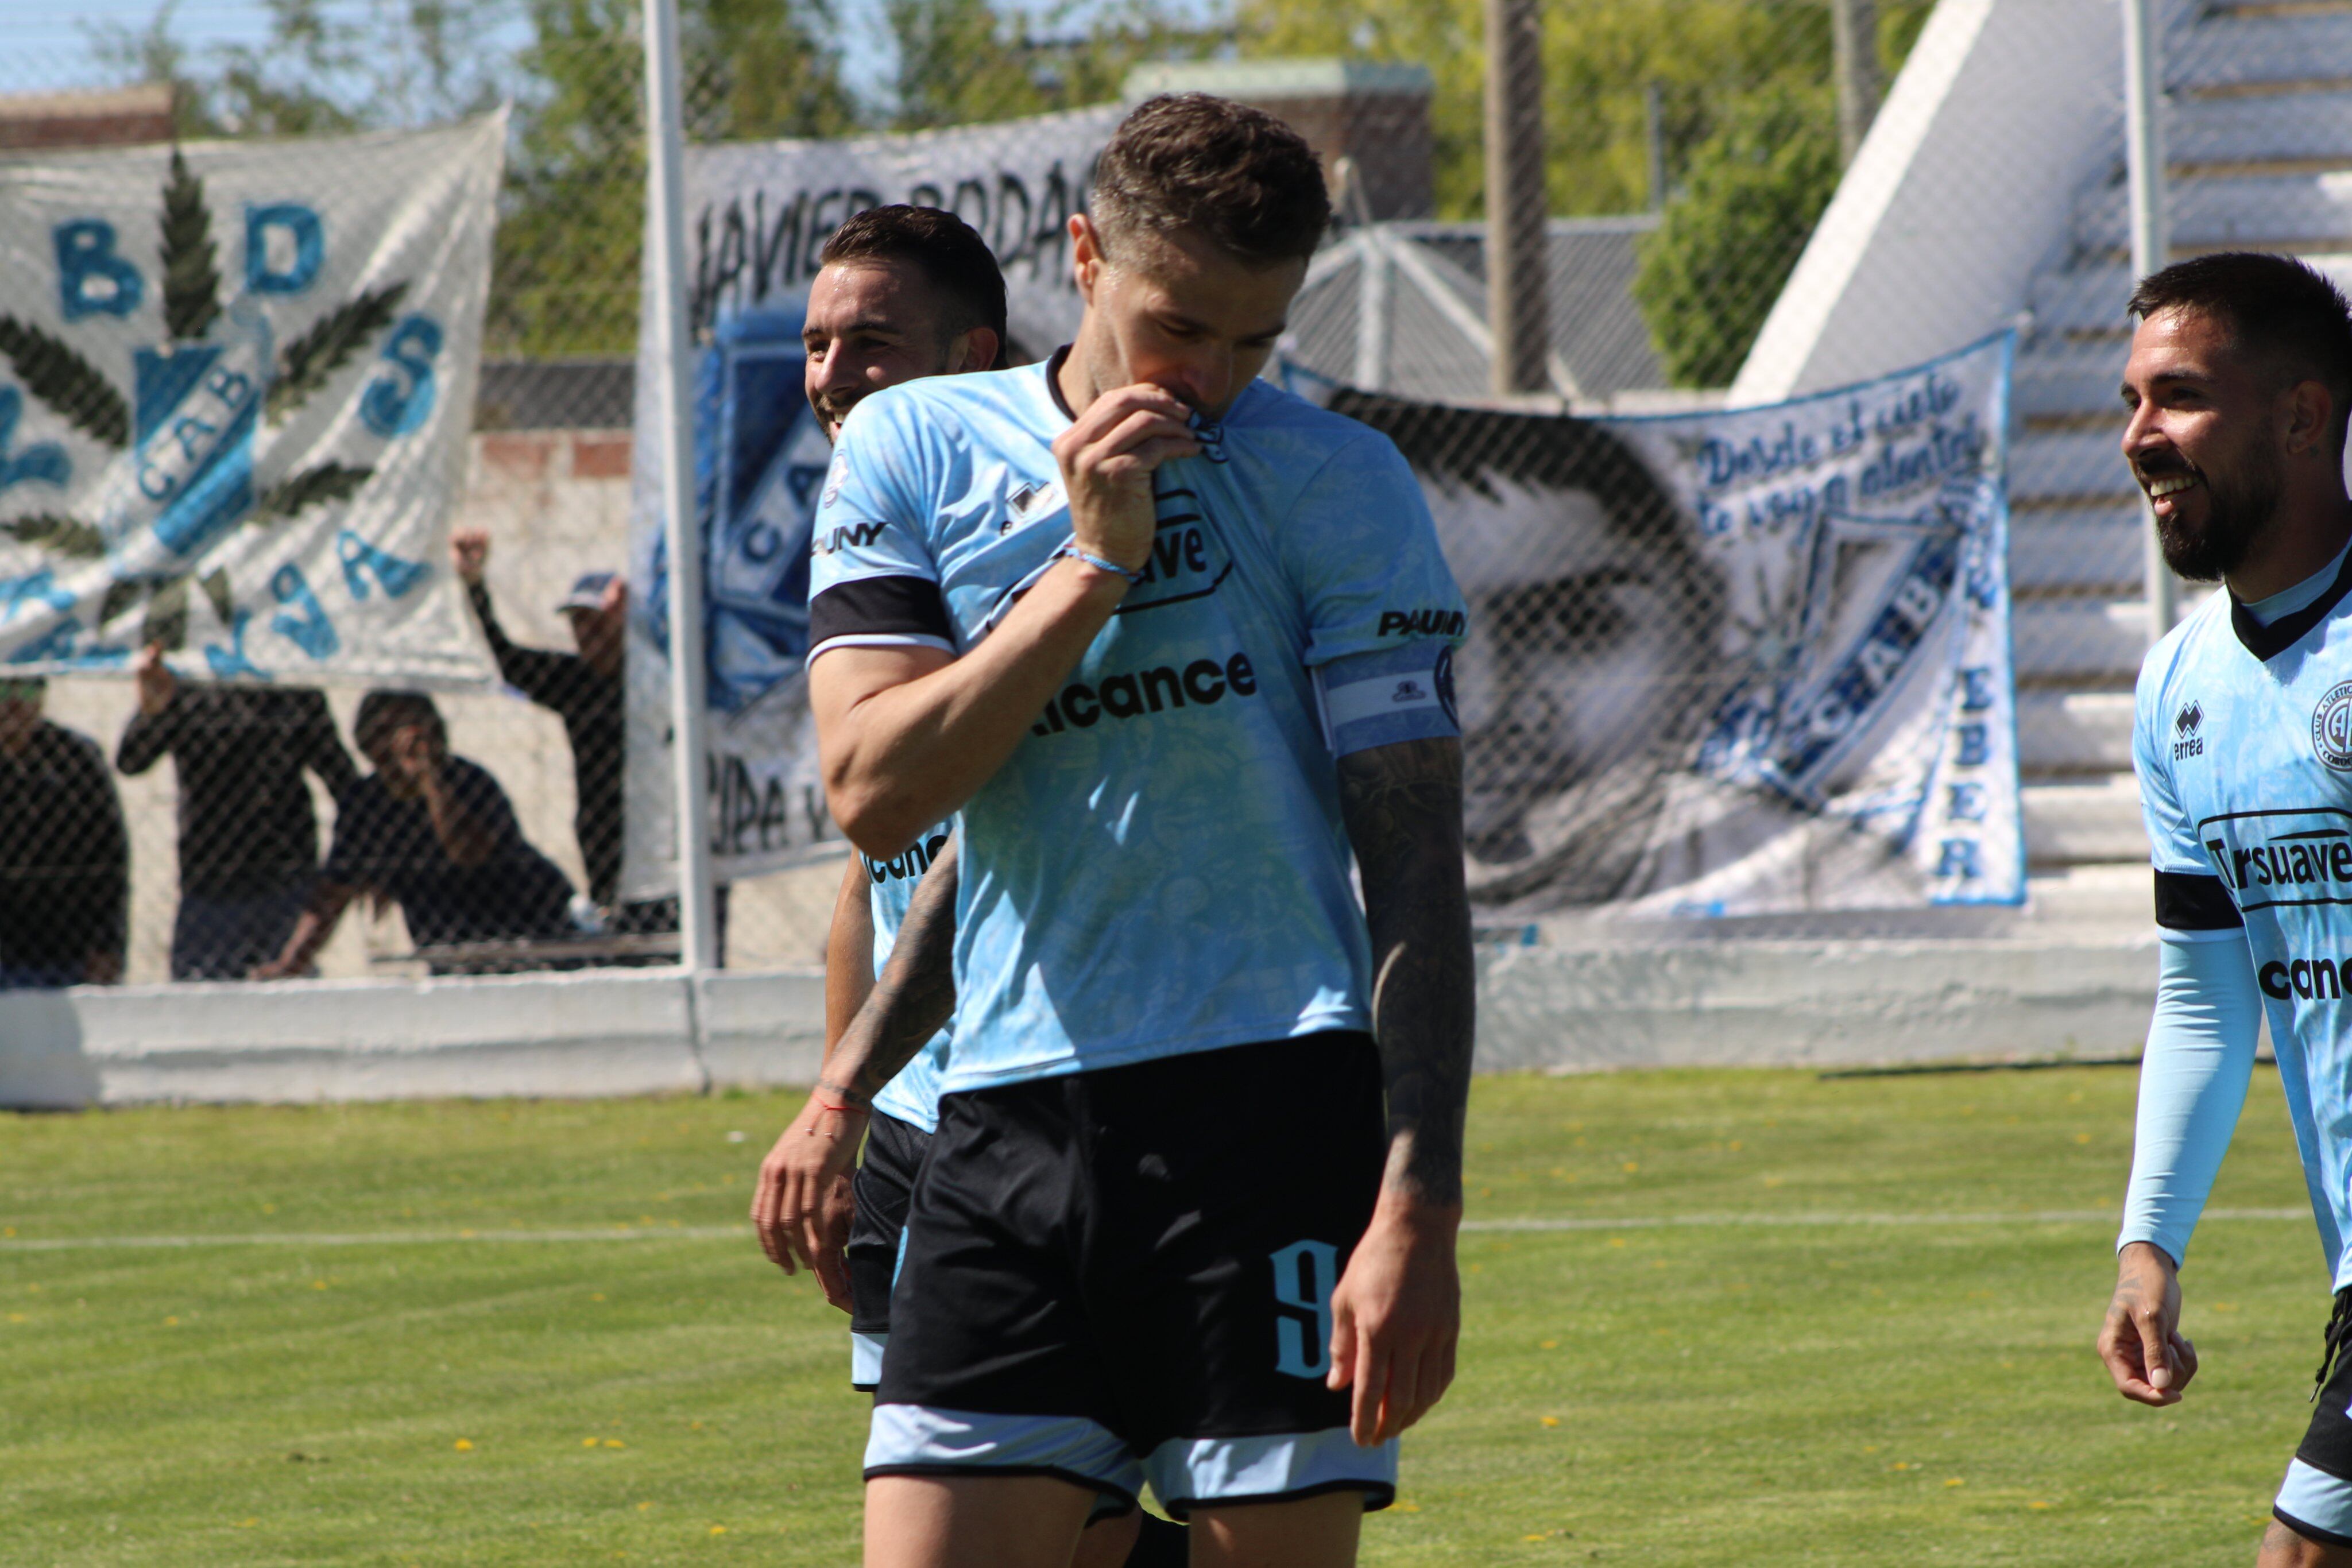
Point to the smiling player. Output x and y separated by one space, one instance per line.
2240 377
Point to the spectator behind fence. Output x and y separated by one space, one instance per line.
248 836
64 861
581 688
434 833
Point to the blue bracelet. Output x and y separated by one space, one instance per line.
1098 563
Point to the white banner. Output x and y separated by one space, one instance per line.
235 385
1738 663
757 216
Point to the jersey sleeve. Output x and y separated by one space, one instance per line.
2192 905
873 581
1383 615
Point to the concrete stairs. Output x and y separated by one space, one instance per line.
2259 141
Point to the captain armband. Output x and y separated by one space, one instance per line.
1388 696
2194 907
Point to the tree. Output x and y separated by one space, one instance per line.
1752 192
964 62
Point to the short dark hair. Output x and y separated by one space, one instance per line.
2276 307
948 251
1243 180
385 710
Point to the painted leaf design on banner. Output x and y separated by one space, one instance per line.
323 351
72 388
59 536
310 488
191 280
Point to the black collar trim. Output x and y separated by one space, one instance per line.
2267 642
1054 382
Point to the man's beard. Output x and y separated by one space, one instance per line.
2237 514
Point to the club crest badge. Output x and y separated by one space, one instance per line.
2331 727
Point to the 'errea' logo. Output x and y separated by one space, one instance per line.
2185 726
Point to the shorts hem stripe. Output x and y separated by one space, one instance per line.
2309 1531
1378 1495
1090 1483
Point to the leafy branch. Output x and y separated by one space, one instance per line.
318 353
65 381
310 488
61 535
191 281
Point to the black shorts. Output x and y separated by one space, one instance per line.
1126 1275
2315 1500
879 1191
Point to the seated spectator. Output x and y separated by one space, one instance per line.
434 834
249 836
64 861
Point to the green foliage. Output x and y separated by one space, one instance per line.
1752 192
310 488
57 535
307 362
191 281
964 62
71 385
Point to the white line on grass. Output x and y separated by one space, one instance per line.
742 1233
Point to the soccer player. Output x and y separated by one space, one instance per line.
1168 640
901 292
2238 384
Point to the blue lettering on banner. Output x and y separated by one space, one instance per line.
1965 802
1975 688
358 558
304 235
397 404
1305 1275
93 279
44 461
1879 660
58 643
304 622
1976 745
33 588
230 661
1961 858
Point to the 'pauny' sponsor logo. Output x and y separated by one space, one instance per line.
1201 684
1421 624
2185 726
849 536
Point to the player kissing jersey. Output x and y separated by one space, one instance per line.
2242 739
1161 867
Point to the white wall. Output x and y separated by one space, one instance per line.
1963 189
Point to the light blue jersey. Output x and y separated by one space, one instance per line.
1160 866
2242 741
913 1096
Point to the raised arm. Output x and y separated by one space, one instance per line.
911 1002
1396 1315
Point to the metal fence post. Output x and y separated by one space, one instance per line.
1518 318
664 255
2150 242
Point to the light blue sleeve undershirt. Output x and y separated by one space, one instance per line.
2192 1083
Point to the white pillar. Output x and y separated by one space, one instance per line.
665 262
2151 242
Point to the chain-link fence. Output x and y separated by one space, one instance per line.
1690 149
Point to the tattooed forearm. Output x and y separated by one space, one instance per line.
913 999
1403 805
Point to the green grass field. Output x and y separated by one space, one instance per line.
538 1333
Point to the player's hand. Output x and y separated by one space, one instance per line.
801 1207
1397 1317
1108 456
153 678
469 553
2141 1341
